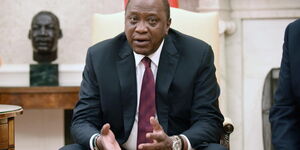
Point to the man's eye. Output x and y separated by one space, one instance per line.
152 21
35 27
133 20
50 27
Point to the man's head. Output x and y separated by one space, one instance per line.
44 33
147 22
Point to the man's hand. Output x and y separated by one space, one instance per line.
107 140
161 141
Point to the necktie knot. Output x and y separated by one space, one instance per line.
147 62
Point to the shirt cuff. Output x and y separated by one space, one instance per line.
188 142
92 140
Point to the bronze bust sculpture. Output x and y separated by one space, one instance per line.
44 34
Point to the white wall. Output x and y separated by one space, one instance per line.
262 49
75 20
39 129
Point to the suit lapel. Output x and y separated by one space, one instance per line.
166 70
127 76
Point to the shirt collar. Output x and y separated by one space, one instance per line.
154 57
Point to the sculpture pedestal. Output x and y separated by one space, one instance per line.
44 75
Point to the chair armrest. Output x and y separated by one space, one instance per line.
228 125
228 128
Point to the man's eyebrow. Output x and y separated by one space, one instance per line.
50 23
152 15
131 12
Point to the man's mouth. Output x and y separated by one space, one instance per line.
43 43
141 42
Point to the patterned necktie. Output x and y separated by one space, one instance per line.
147 103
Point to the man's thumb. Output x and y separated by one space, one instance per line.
105 129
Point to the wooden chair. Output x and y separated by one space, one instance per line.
204 26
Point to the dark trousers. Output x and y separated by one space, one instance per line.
79 147
74 147
215 147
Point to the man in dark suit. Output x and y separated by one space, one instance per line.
285 113
184 92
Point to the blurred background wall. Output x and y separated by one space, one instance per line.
251 34
75 19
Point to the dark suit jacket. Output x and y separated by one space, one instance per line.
285 113
186 87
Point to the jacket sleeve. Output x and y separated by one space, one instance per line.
87 112
206 117
283 114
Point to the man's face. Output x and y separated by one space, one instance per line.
44 33
146 25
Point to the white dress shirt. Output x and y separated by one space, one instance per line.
130 144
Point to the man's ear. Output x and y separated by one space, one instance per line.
30 34
168 25
60 35
169 22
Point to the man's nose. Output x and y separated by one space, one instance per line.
43 31
141 27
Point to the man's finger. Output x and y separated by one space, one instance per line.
150 146
156 136
155 124
105 129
